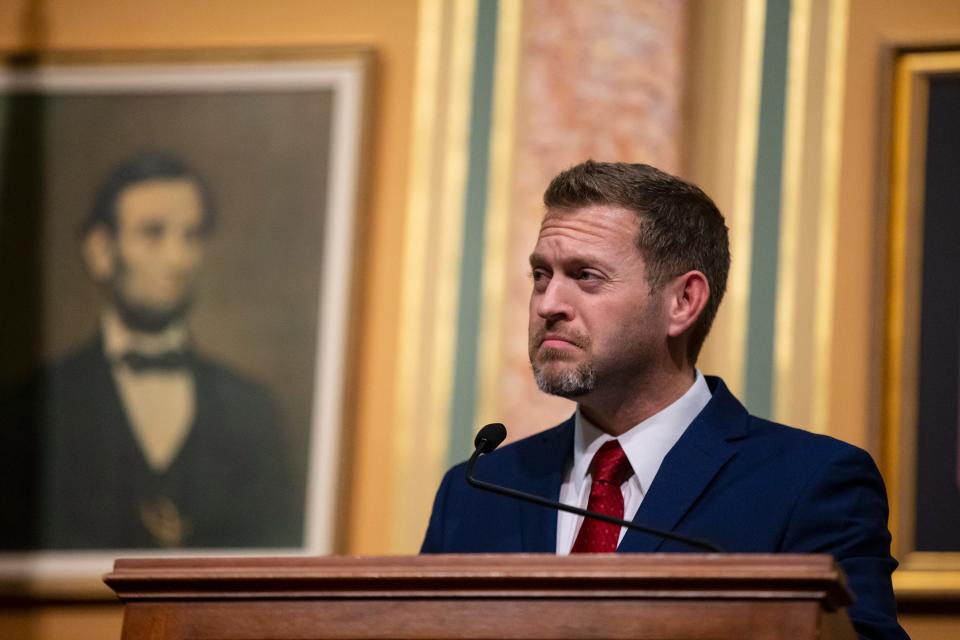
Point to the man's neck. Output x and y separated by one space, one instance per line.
120 338
628 405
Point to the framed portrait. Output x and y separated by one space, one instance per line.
921 456
177 234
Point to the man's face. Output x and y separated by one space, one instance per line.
157 250
593 320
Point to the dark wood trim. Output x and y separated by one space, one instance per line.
471 576
652 596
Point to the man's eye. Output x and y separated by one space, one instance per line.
541 279
153 231
587 275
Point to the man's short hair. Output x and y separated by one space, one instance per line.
144 166
681 228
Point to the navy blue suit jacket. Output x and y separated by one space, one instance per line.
743 483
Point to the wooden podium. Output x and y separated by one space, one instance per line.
484 596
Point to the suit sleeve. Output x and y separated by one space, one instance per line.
843 511
433 540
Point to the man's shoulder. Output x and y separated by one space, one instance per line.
796 436
725 406
219 372
524 454
230 395
77 368
547 437
801 451
81 355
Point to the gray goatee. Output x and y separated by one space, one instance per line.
568 383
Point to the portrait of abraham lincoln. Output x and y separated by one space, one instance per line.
161 285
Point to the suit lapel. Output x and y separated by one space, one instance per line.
111 413
97 408
543 476
687 470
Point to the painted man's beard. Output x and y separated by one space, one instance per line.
144 319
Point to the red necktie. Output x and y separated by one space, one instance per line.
609 469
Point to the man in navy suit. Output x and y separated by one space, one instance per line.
628 272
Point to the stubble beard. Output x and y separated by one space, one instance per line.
569 382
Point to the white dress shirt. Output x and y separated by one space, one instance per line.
645 444
159 405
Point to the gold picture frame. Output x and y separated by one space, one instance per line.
922 574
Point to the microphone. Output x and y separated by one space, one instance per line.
490 437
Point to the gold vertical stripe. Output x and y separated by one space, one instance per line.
738 292
410 353
784 356
432 249
497 217
895 296
450 179
828 220
897 376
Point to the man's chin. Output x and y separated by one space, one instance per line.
564 379
147 319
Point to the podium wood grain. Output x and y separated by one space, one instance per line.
655 596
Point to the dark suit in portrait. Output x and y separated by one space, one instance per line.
135 439
228 486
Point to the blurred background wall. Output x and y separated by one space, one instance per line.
781 110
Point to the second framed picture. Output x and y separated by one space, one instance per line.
922 386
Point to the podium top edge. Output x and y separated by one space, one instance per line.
490 563
712 576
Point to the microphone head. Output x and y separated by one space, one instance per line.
490 437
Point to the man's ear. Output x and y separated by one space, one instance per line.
688 295
99 253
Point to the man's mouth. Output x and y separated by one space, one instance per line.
557 341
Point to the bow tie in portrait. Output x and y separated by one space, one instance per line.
166 361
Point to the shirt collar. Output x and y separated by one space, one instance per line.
647 443
118 339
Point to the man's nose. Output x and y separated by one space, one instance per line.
554 302
180 252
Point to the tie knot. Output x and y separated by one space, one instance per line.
610 464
